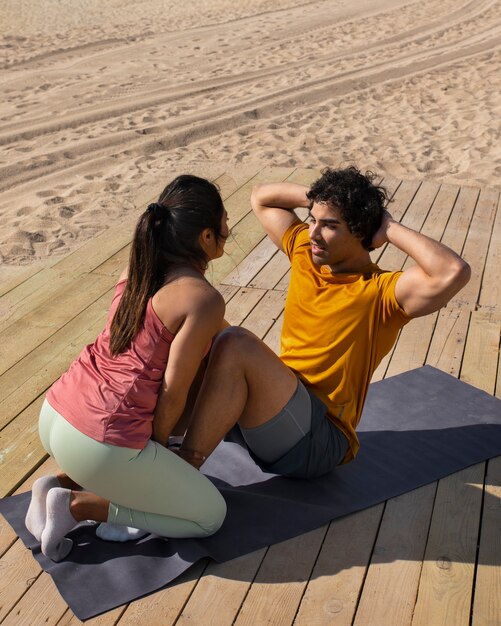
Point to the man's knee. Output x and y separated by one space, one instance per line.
233 343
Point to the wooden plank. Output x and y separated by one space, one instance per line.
381 370
438 216
232 179
481 357
244 237
447 345
110 618
252 264
115 264
20 448
412 346
227 291
248 235
447 576
276 592
303 176
448 572
490 295
272 273
332 592
39 606
480 369
283 283
31 294
391 184
487 596
262 318
272 337
241 304
38 325
475 248
12 276
164 606
19 571
459 222
34 373
221 590
448 341
246 231
395 566
238 204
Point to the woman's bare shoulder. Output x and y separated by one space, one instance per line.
187 296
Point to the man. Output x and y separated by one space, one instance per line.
298 412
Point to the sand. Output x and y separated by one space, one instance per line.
102 100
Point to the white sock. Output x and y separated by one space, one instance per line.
35 517
59 522
175 441
116 532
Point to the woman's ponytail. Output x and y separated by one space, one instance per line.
166 234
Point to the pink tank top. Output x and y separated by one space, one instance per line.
112 399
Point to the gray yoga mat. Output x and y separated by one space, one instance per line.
417 427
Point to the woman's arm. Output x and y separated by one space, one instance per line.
203 320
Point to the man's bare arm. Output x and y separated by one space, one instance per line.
274 206
438 275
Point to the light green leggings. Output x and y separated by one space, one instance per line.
152 489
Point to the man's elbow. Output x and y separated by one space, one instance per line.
460 275
255 197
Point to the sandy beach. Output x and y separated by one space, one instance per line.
103 100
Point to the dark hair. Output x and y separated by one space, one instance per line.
166 234
360 202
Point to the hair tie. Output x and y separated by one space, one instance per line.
157 211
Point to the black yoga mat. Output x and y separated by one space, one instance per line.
417 427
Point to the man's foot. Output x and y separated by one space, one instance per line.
36 515
59 522
116 532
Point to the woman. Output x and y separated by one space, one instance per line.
107 420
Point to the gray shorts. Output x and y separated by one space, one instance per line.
300 441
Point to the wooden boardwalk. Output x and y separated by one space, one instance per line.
429 557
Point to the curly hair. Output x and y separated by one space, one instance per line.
360 202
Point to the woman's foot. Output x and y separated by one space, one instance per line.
36 515
59 522
116 532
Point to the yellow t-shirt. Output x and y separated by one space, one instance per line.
336 330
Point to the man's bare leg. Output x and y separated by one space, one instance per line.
245 382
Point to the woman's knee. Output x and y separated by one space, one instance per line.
215 515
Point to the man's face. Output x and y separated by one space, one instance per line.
332 243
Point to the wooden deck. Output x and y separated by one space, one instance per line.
429 557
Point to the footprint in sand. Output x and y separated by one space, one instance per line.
67 211
53 200
25 210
